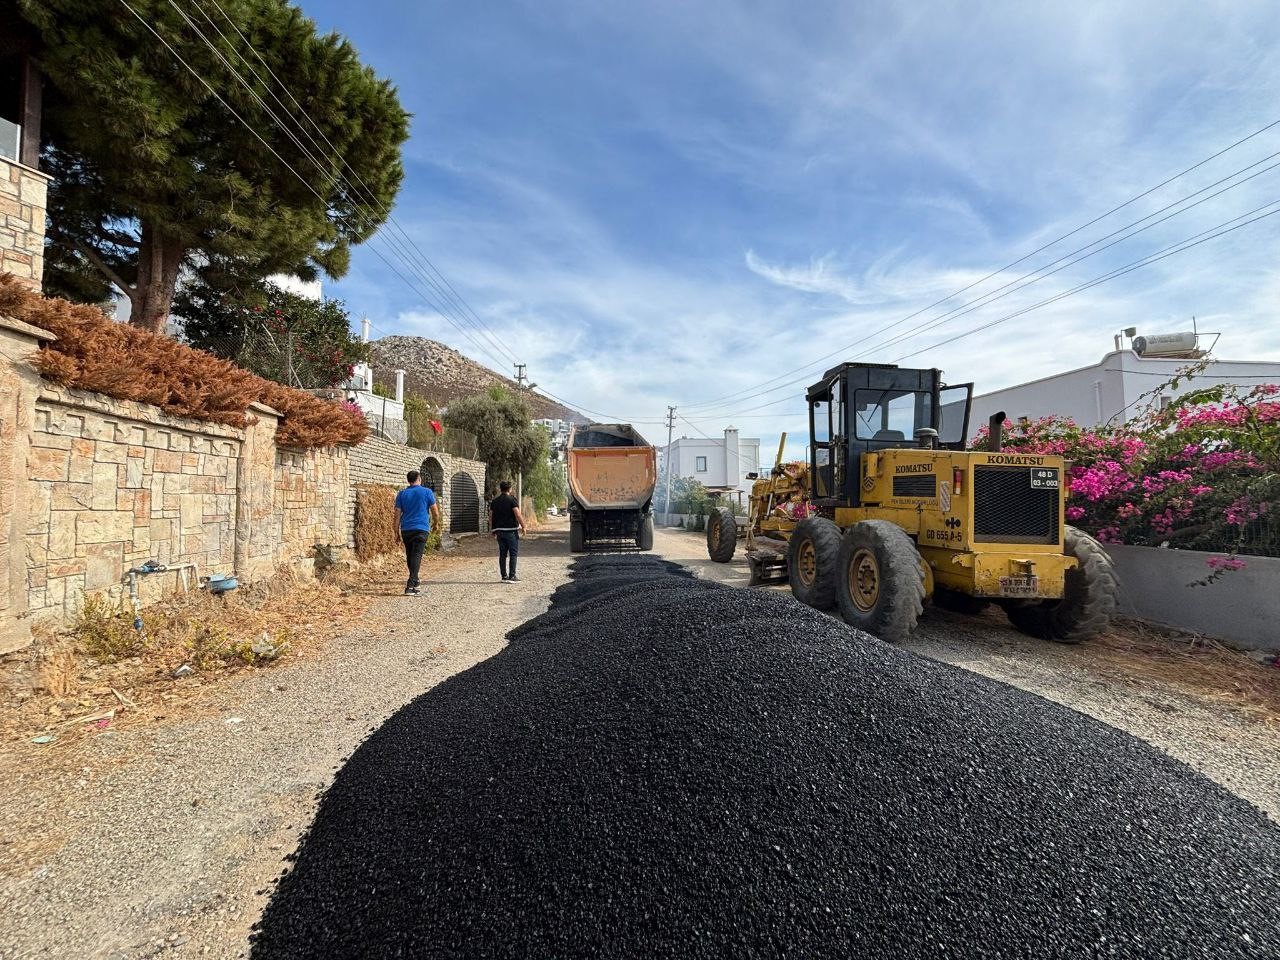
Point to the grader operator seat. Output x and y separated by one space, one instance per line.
861 407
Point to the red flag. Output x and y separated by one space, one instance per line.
435 425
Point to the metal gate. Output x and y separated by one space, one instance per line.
433 475
464 500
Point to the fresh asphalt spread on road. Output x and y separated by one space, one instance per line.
661 766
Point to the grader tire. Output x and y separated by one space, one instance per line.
1089 599
879 580
812 553
577 536
644 536
722 535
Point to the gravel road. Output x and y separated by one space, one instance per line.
1226 744
174 831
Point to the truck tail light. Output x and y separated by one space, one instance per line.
957 481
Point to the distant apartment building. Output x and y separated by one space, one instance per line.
720 465
559 430
1121 385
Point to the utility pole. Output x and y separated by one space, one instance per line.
671 424
522 385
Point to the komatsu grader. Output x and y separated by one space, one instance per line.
891 511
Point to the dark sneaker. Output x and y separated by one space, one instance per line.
411 591
513 579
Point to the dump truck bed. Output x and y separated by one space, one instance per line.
611 467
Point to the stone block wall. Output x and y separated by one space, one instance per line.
23 193
383 462
312 490
91 486
113 484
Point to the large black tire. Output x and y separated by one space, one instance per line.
879 580
957 602
644 536
812 552
722 535
577 536
1088 601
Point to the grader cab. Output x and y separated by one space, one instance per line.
895 511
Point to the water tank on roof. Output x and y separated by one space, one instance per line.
1166 345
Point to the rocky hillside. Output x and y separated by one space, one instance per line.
441 375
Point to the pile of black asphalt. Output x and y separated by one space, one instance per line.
661 767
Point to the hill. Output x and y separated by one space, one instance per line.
441 375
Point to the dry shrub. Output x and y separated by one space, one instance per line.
376 532
105 630
95 353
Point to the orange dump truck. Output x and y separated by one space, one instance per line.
612 473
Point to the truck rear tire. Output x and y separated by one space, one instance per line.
1089 598
644 536
577 536
812 553
722 535
879 580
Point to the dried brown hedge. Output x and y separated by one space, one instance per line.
375 529
95 353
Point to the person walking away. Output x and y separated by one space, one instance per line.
507 525
416 508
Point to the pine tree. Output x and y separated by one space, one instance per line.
152 173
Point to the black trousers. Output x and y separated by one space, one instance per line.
508 547
415 541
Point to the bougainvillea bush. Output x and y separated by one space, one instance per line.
1201 474
92 352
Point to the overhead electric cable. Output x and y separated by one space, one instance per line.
737 396
385 211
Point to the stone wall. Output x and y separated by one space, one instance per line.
91 486
22 207
114 484
312 493
383 462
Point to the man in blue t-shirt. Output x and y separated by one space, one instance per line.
415 510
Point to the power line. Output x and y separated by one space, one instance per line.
737 394
1212 234
1181 246
452 293
333 178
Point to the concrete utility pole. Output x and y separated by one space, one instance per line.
671 424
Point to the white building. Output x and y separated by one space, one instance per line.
559 430
385 414
719 465
1120 386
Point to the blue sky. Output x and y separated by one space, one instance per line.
673 202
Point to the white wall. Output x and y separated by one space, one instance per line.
1113 387
719 470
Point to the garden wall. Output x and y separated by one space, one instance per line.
457 481
91 486
1242 607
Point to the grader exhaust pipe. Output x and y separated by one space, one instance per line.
995 432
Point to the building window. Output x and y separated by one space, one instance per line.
700 464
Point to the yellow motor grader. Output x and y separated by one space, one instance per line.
891 510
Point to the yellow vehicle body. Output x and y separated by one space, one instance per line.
917 490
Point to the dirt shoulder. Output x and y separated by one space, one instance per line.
1215 710
164 838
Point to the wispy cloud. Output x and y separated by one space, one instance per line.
681 202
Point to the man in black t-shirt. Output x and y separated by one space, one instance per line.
507 525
